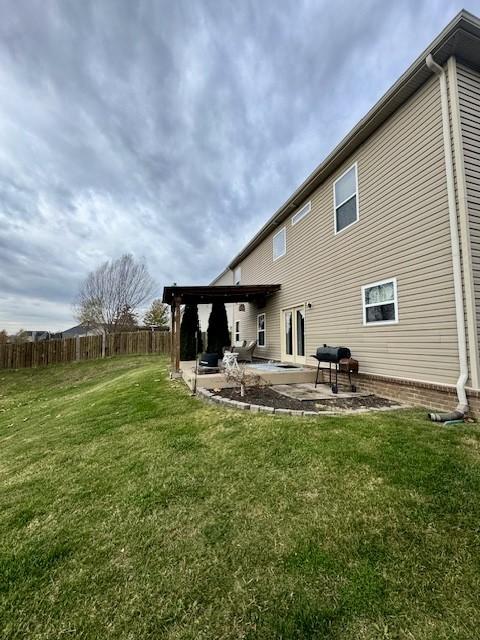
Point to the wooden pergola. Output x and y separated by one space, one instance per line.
176 296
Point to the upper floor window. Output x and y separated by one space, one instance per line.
280 244
380 304
237 275
301 213
261 330
345 196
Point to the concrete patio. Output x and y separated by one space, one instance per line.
271 373
296 382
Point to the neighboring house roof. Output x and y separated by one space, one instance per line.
461 37
83 330
77 330
42 335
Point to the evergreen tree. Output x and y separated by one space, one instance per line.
218 334
127 320
157 315
189 330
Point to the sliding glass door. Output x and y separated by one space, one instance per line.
293 334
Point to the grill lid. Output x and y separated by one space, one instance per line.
332 354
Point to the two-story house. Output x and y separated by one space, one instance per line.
379 248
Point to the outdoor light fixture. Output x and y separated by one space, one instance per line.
241 307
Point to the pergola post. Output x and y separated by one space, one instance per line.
172 337
178 302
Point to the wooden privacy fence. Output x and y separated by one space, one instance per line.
39 354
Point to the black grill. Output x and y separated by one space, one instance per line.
332 354
341 359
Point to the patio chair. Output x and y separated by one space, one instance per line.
245 354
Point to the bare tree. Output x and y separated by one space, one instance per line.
243 378
110 296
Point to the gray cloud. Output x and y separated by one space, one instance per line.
173 130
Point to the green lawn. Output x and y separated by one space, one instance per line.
129 510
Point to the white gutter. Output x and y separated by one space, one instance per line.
455 242
464 226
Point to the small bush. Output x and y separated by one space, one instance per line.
243 378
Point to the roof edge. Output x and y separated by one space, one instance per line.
442 47
220 275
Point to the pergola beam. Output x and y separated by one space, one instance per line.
219 293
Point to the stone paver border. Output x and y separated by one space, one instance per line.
209 396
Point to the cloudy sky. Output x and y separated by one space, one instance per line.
172 130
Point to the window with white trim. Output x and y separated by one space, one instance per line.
280 244
261 330
237 330
237 275
302 212
380 305
345 196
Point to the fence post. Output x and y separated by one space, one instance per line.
77 348
103 343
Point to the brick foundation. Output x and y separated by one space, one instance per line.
437 397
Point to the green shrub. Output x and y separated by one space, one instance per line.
218 335
189 332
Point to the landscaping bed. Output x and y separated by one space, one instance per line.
268 397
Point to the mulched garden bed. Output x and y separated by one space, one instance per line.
268 397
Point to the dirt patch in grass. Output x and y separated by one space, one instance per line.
268 397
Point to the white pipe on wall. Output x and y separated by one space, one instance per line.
455 242
464 225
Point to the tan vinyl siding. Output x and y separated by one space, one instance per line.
226 278
469 99
402 232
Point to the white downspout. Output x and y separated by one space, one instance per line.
455 242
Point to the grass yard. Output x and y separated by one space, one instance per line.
130 510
